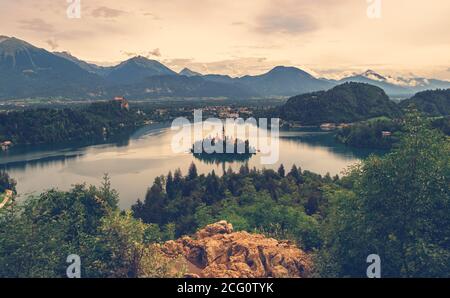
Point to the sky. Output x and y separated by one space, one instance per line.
329 38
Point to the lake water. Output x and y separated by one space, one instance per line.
134 161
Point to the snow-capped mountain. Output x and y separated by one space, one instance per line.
397 85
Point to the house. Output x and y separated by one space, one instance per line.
5 145
386 134
343 125
124 104
328 126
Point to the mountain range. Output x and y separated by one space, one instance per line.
27 71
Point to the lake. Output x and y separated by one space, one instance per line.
134 161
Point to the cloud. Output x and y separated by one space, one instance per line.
155 52
237 67
150 54
130 54
285 23
151 15
52 43
106 12
37 25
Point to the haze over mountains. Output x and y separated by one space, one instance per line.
29 72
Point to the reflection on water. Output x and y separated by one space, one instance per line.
134 161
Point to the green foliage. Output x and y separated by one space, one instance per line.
397 206
442 123
6 182
97 121
250 200
36 236
348 102
430 102
123 249
369 134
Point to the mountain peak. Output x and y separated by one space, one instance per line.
139 58
289 70
189 73
9 46
137 69
3 38
373 75
143 62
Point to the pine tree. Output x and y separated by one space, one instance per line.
192 173
296 174
281 171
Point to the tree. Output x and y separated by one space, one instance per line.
296 174
126 254
192 173
281 171
155 201
170 189
6 182
39 233
398 207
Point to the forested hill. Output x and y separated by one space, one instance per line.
432 102
98 120
348 102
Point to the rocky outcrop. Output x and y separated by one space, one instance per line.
6 198
216 251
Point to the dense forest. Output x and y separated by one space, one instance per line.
348 102
369 133
45 125
368 109
431 102
396 206
38 235
352 102
287 204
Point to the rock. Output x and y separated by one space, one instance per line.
216 251
7 197
221 227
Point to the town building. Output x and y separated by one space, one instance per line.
124 104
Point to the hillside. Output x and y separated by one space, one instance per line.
26 70
96 121
348 102
177 86
433 102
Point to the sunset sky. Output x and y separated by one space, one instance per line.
326 37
